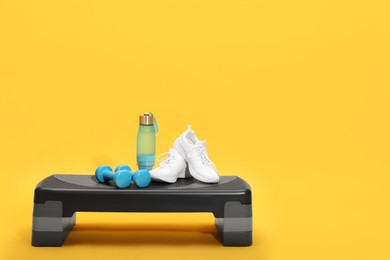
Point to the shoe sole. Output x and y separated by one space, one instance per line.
180 175
199 177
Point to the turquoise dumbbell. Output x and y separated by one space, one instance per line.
141 178
120 178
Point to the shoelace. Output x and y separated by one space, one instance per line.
204 157
166 161
203 154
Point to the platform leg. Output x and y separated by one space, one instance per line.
235 228
49 227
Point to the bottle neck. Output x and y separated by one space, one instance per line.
146 128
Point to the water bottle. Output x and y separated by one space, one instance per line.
146 141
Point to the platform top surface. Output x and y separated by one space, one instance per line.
89 182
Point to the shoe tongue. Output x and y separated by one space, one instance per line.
189 130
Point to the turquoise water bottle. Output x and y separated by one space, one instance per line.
146 141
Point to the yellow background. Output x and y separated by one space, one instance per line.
293 96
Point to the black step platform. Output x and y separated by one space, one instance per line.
58 197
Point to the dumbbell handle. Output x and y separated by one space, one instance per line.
108 175
122 176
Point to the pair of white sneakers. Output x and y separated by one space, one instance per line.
187 150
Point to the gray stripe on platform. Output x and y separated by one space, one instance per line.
53 224
48 209
234 209
234 224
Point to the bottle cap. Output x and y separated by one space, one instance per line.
149 119
146 119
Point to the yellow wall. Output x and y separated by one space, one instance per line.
293 96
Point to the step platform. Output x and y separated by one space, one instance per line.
58 197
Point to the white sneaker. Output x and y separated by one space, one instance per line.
170 168
195 153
